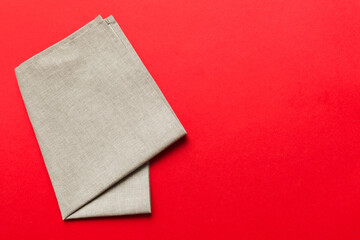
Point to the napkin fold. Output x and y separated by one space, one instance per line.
98 117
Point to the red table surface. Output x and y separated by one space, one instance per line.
267 90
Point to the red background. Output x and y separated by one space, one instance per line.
267 90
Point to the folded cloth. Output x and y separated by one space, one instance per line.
98 117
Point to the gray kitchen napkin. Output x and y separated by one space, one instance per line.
98 117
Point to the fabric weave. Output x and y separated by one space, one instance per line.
98 117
